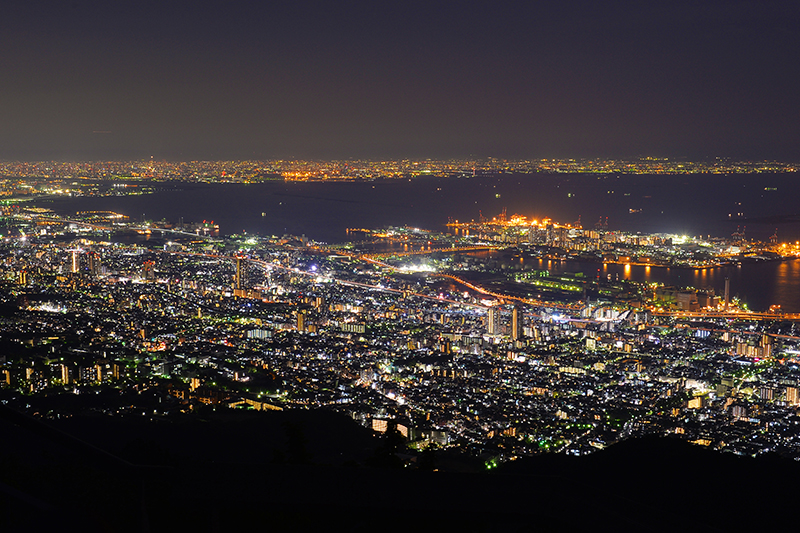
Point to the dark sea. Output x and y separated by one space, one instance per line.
692 205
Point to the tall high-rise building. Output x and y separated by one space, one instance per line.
766 340
66 374
93 263
494 321
792 396
516 323
238 280
766 393
76 262
727 292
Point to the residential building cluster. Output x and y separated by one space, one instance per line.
182 324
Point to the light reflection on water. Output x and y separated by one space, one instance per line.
322 211
760 285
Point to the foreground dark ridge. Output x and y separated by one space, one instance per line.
311 470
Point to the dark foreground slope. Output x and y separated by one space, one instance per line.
307 470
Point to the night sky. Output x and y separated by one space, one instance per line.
342 79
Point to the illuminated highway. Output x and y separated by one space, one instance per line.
538 303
